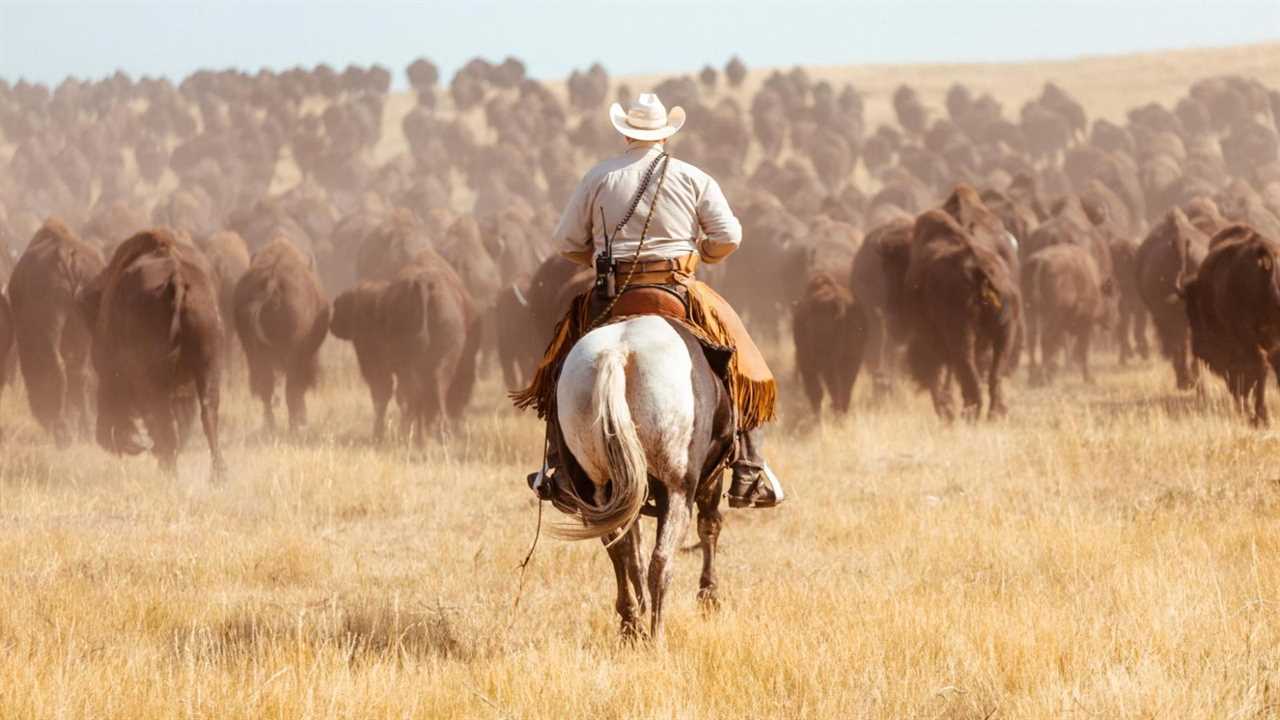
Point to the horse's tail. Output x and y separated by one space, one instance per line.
628 469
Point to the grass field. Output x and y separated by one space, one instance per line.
1107 551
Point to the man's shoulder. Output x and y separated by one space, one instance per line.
603 168
690 171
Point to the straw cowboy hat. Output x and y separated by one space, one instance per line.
647 119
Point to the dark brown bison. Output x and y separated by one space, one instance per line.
960 302
965 206
829 331
872 284
1063 294
1131 312
228 257
526 315
157 346
415 336
1169 257
282 317
1233 308
53 339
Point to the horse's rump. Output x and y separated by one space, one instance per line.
710 319
638 403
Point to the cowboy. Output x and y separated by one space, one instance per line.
669 216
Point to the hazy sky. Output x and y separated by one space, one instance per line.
48 40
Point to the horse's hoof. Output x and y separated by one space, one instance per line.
708 600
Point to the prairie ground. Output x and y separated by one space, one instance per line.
1106 551
1109 550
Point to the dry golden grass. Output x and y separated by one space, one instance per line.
1108 551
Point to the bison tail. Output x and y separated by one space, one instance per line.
179 300
249 321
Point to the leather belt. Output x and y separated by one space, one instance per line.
677 270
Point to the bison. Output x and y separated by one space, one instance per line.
282 317
871 283
53 339
157 343
417 336
830 332
1233 310
1064 293
960 301
1169 256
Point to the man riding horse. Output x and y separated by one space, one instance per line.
667 215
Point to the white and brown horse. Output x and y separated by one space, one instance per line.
645 417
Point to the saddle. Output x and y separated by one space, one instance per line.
649 300
671 292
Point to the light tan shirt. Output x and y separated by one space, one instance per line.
692 213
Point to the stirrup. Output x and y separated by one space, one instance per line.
751 492
540 483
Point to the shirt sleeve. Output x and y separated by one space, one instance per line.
573 233
723 231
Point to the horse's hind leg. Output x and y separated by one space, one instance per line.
673 521
628 567
709 521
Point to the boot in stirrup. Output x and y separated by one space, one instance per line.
754 483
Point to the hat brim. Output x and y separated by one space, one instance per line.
675 121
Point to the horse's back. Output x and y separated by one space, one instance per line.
670 392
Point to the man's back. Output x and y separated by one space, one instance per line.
692 206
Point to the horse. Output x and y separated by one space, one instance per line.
645 417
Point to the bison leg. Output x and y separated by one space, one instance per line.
1083 339
674 510
380 390
299 377
1001 349
184 408
75 358
879 354
209 393
1052 343
1140 333
162 425
628 566
1183 366
302 372
812 384
296 397
1035 349
939 385
1261 417
840 379
43 373
437 409
262 382
1123 322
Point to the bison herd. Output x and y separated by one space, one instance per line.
151 234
